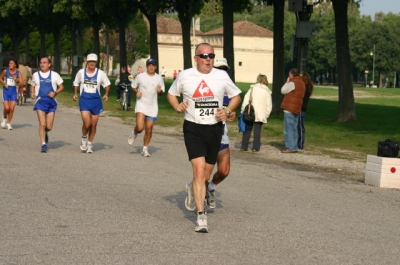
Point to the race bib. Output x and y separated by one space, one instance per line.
205 112
11 81
89 87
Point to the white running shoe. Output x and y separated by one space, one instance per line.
3 123
201 223
132 138
189 200
9 126
89 149
211 201
83 144
145 153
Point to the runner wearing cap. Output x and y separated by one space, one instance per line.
224 156
89 81
147 86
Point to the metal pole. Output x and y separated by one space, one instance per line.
373 67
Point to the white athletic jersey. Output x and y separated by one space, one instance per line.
102 79
204 93
147 85
56 80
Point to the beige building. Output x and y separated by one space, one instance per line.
253 47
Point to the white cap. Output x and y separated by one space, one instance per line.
218 62
91 57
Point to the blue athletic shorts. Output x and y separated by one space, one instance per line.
150 118
223 146
94 105
10 94
45 104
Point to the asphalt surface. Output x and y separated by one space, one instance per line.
116 207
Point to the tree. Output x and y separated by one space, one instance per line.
346 111
150 9
13 24
228 34
279 53
187 9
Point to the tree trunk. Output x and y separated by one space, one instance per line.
279 55
153 37
42 43
96 38
346 111
187 49
27 55
57 56
74 49
122 41
229 53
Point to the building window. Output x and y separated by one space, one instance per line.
240 63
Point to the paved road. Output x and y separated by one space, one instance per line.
117 207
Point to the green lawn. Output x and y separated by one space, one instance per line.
376 110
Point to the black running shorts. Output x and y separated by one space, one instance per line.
202 140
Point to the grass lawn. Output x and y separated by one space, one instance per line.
376 110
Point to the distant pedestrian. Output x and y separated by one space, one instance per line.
26 76
163 72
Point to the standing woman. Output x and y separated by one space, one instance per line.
300 127
13 78
262 103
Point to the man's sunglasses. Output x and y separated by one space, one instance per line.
206 55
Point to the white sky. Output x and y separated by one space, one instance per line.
370 7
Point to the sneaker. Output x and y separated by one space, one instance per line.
132 138
201 223
84 144
3 123
145 153
211 201
46 138
189 200
44 148
89 149
9 126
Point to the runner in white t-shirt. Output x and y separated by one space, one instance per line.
147 86
203 89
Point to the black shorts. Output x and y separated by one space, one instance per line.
202 140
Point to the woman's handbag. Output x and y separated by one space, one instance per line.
248 113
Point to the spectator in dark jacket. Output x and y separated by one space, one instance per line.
300 127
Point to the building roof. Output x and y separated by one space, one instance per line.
171 26
244 28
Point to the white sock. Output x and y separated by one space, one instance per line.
89 143
211 186
144 148
43 143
